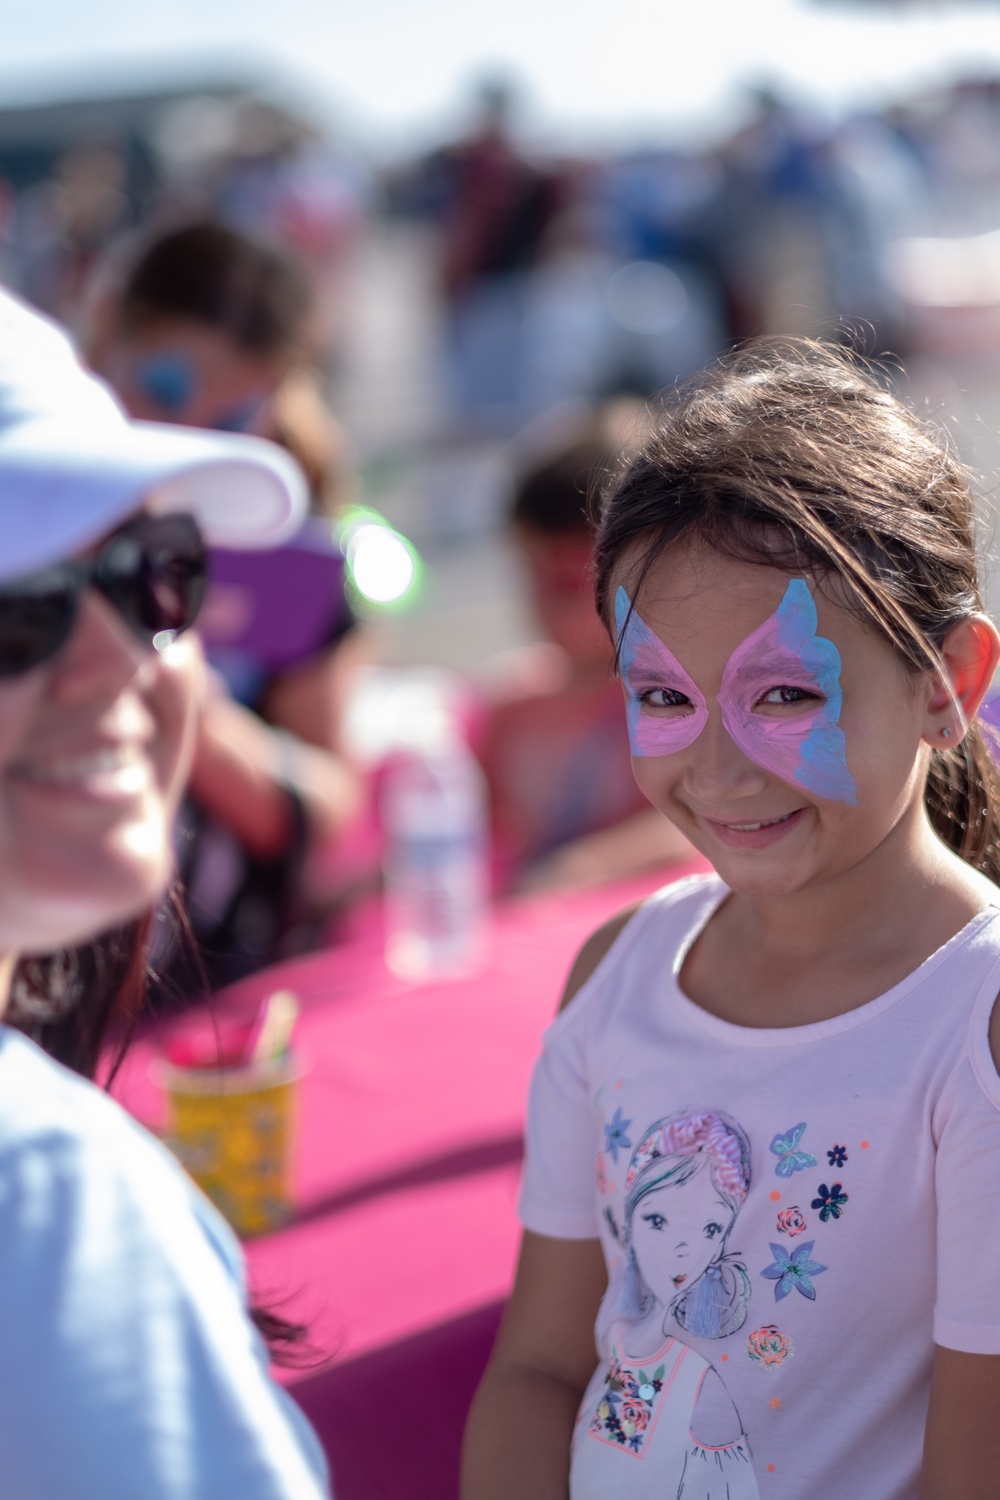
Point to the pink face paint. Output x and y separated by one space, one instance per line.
807 748
646 664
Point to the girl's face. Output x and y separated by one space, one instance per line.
763 833
677 1231
558 577
194 374
93 749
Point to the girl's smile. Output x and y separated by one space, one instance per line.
758 835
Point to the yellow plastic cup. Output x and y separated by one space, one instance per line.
233 1129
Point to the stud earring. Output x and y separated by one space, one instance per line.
946 734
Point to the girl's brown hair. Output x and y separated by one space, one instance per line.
212 274
790 454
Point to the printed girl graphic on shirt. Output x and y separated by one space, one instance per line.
660 1401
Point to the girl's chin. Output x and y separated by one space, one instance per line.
744 882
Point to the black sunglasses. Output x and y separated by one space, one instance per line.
152 570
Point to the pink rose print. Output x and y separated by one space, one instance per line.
769 1347
634 1417
603 1185
627 1385
791 1221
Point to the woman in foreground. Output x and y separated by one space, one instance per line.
764 1133
128 1364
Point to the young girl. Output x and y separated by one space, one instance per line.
764 1138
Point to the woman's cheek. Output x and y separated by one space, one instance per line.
20 699
177 690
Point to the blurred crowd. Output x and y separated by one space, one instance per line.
205 281
568 280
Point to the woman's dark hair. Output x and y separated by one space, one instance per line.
213 274
791 454
47 996
81 1006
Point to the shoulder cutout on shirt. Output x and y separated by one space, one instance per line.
995 1034
715 1422
594 950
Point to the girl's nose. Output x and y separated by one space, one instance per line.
717 768
100 657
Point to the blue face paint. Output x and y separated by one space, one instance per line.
824 749
806 747
168 379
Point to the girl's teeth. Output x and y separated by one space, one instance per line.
753 827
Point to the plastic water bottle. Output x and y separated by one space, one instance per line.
436 866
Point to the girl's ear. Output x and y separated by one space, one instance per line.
970 653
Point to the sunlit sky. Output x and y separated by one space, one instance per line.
396 70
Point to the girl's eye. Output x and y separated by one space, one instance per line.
664 698
783 696
655 1221
712 1231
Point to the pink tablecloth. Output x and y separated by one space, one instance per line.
403 1248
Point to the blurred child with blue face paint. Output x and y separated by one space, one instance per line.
788 574
213 329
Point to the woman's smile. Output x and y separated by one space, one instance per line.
109 772
94 749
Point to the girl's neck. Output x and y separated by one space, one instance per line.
909 872
810 955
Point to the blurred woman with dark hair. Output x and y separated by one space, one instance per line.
128 1364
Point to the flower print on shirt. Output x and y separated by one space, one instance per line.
793 1272
648 1410
786 1148
830 1201
769 1347
837 1156
792 1221
623 1415
604 1182
615 1137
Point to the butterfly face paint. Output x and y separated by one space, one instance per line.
807 747
646 664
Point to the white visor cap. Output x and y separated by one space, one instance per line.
72 465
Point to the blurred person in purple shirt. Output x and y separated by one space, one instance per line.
211 328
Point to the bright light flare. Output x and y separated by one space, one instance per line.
382 564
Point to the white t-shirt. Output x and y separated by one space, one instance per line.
791 1217
129 1369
